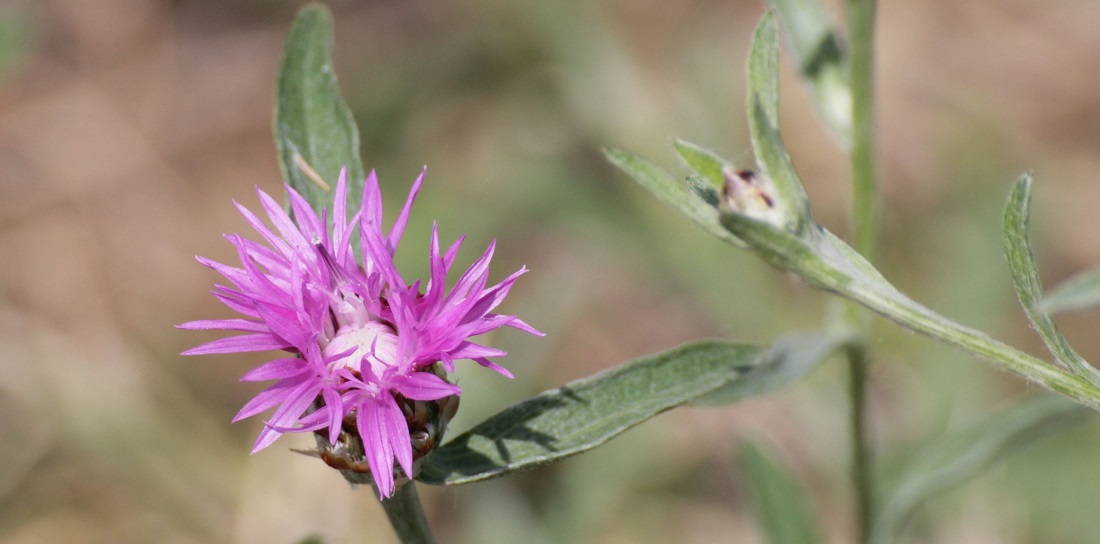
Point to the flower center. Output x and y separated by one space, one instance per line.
374 345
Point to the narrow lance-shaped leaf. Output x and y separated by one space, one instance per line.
951 461
1025 275
764 69
788 360
821 59
1080 292
672 192
314 130
771 155
777 498
586 413
704 161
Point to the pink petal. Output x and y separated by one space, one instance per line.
398 229
266 437
470 350
235 275
296 402
276 370
518 323
458 307
493 366
287 229
271 261
340 208
261 284
235 300
378 449
374 249
452 252
278 243
313 421
437 283
371 207
335 405
477 274
486 323
224 324
239 344
397 430
447 360
424 386
492 297
284 323
269 397
307 220
342 248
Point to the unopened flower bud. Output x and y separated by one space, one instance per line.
748 193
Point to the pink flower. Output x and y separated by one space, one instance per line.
364 341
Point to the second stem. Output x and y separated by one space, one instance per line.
865 223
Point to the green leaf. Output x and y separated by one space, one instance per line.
822 59
1025 275
817 256
771 155
764 70
777 498
586 413
1081 292
704 161
826 262
704 190
314 129
949 462
677 194
789 359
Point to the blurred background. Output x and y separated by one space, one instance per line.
127 127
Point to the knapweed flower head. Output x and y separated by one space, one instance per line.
367 348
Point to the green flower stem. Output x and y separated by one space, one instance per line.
861 29
861 451
407 516
865 213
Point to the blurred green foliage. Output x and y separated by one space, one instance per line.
16 37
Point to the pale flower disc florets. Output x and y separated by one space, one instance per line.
361 337
373 344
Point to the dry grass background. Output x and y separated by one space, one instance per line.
128 126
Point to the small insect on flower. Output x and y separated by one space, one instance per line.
368 352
